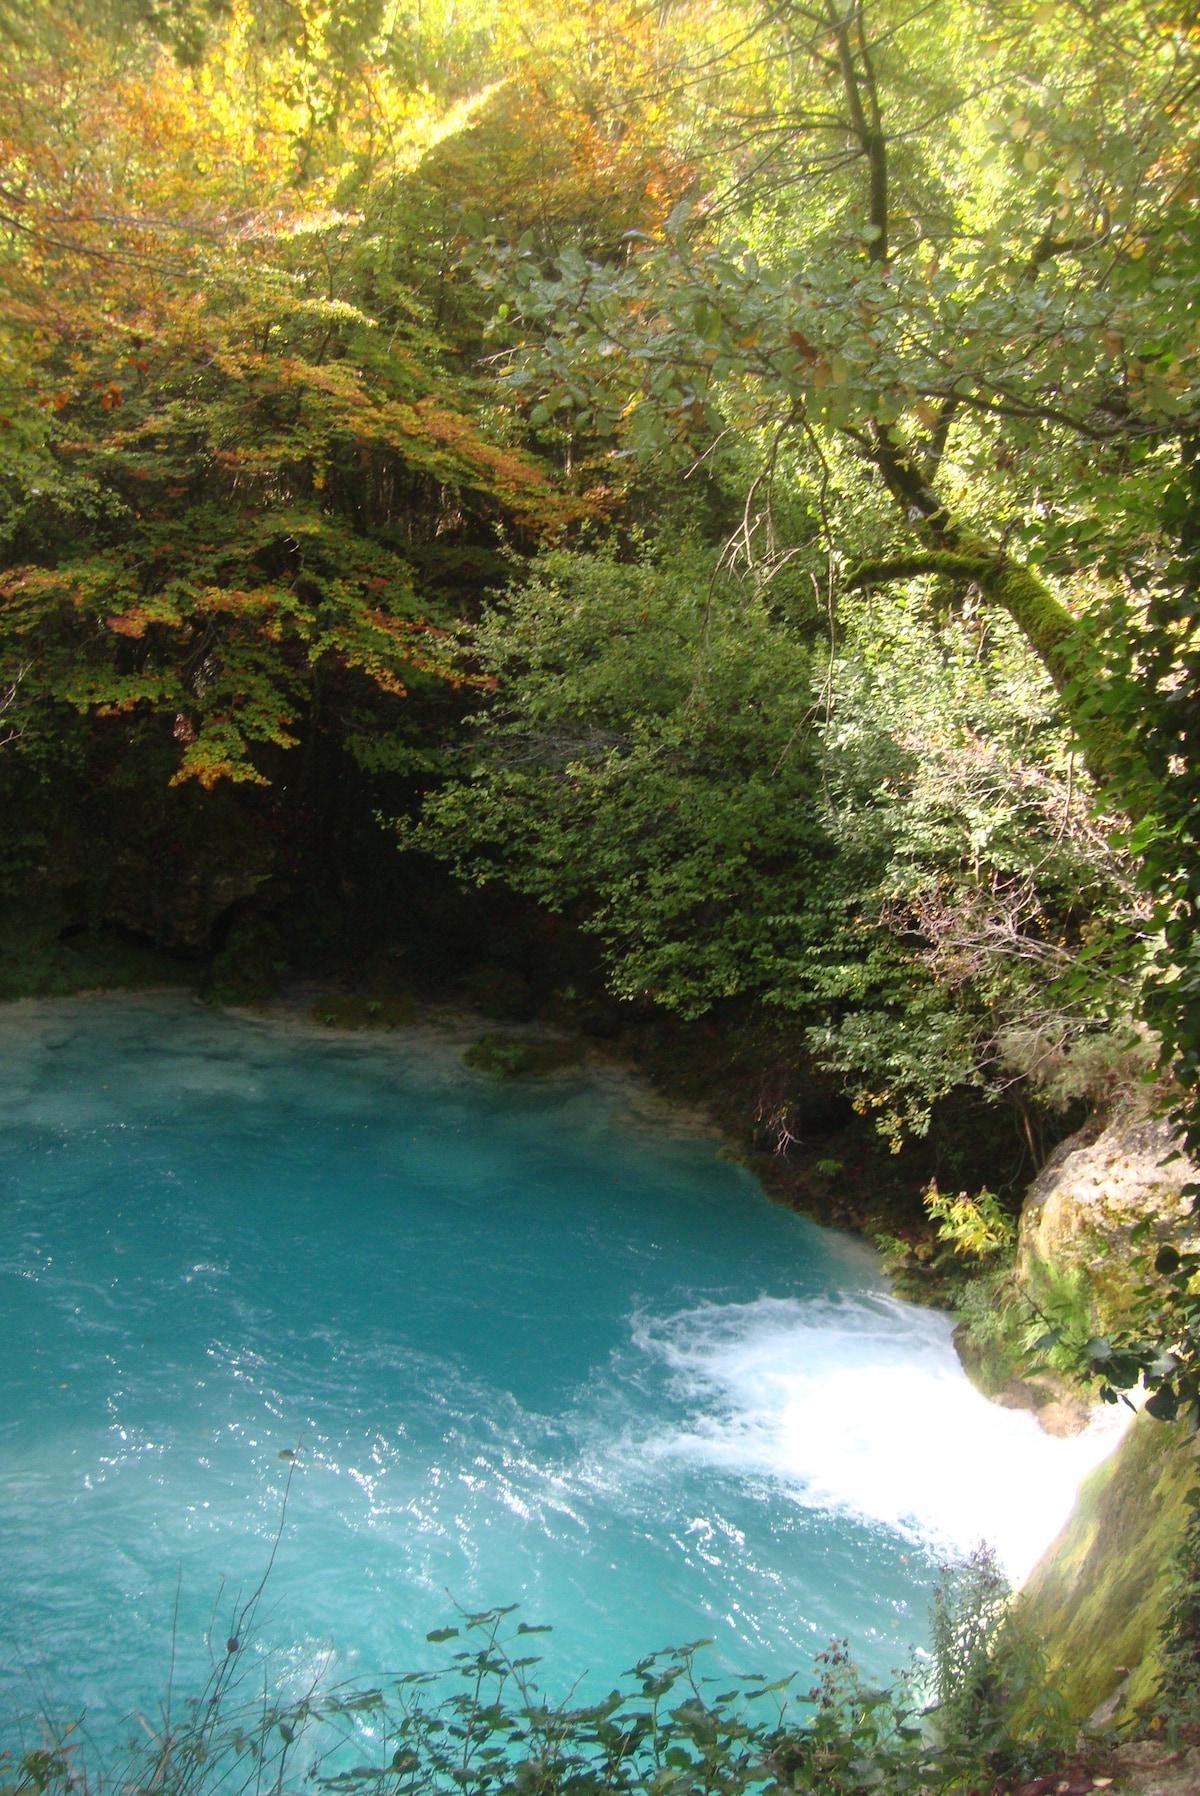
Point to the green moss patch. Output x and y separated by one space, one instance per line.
1098 1599
39 960
521 1056
357 1012
248 968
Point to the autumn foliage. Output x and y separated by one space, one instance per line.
229 406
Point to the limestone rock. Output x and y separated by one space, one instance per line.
1060 1410
1092 1192
1153 1768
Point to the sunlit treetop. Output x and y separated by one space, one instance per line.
224 399
957 245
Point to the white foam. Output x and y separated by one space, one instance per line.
862 1406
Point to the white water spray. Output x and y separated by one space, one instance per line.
861 1406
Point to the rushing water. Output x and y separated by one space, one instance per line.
527 1349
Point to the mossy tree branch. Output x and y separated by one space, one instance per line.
1048 627
1044 620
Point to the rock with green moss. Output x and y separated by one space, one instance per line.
250 963
1074 1248
359 1011
44 954
1072 1275
990 1341
521 1056
1099 1598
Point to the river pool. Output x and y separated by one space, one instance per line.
525 1345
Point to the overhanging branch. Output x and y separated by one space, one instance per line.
921 561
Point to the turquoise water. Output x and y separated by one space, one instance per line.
526 1349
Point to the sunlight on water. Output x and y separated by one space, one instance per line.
526 1349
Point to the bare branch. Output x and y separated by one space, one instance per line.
11 732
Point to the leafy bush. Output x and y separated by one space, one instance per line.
995 1703
886 840
483 1728
975 1227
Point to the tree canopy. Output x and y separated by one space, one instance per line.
733 464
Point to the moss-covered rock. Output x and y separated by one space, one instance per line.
250 963
41 956
996 1364
1098 1598
1074 1247
521 1056
361 1011
1072 1268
